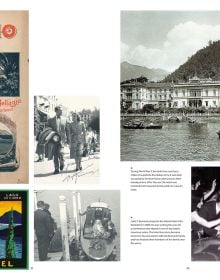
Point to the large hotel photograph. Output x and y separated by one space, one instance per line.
170 85
195 93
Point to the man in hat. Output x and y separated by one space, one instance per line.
42 230
59 125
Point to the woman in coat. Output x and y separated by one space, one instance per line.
77 139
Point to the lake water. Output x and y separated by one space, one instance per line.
5 147
174 142
18 247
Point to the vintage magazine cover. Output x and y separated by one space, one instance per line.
14 97
13 229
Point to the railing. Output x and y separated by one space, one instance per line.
166 116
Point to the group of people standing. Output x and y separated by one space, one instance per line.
72 133
45 227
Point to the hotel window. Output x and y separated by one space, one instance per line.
155 96
184 103
214 103
165 90
206 92
137 95
160 96
214 92
160 90
206 103
184 93
150 97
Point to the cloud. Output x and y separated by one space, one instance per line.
182 41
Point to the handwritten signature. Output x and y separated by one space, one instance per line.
77 174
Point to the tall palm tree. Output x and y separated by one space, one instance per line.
10 244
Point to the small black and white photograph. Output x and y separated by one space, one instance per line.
9 75
67 139
77 225
170 86
205 213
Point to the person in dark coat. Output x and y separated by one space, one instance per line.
55 150
53 225
43 230
210 211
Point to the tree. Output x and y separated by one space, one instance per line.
94 123
10 244
9 72
148 108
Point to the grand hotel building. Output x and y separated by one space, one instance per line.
194 93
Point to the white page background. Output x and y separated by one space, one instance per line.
75 50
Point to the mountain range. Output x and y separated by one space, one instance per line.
130 71
4 219
205 63
18 231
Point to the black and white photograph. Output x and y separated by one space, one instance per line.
67 139
9 74
205 213
77 225
170 86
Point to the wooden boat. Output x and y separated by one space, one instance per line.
141 125
197 123
192 121
174 119
97 236
153 126
134 125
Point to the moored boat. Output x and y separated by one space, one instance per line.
141 125
134 125
98 232
153 126
173 119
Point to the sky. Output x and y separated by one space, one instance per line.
165 39
6 206
77 103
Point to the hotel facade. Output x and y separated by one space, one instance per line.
195 93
